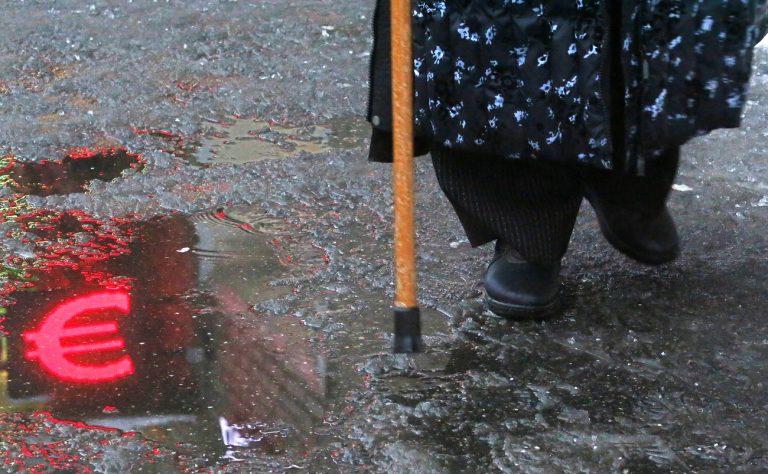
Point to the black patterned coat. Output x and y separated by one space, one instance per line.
610 84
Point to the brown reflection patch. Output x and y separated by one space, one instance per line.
69 175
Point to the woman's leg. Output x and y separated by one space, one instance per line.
632 210
643 194
529 209
531 206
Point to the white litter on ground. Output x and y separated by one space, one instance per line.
681 187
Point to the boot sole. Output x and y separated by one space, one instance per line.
648 258
520 311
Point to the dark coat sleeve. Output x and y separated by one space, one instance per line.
380 92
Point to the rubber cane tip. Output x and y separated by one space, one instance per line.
407 338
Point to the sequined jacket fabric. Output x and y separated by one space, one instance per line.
550 79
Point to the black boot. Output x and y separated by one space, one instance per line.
517 289
649 238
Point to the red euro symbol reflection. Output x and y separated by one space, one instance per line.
54 331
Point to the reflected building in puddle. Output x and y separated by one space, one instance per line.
149 326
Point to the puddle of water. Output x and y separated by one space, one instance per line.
157 332
208 334
68 175
246 140
152 325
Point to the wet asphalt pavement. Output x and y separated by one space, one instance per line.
196 272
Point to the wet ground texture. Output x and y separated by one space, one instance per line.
196 273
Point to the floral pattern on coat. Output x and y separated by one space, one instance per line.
523 79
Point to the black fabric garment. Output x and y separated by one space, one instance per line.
530 205
381 147
642 194
533 205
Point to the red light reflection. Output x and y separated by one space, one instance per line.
49 338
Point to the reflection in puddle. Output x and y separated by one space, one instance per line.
151 326
69 175
246 140
245 219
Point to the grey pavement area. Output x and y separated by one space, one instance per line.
648 369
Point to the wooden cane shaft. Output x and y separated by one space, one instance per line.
402 115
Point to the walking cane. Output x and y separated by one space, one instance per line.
407 316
